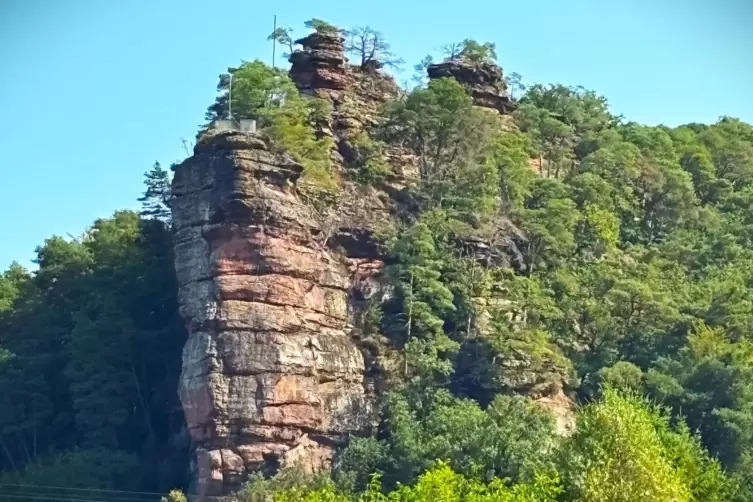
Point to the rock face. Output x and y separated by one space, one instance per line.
483 80
271 375
320 64
321 69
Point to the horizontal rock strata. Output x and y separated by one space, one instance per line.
483 80
271 375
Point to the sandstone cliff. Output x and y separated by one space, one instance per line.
270 374
275 371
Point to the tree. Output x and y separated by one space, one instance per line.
370 48
440 483
550 218
710 381
552 138
452 51
269 96
321 26
425 300
584 111
511 155
511 439
259 91
12 281
71 472
155 202
283 36
616 453
91 338
514 82
453 143
104 385
420 76
477 52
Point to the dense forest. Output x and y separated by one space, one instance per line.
627 279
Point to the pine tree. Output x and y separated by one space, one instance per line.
426 300
155 203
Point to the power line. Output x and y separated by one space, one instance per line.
72 497
43 487
56 499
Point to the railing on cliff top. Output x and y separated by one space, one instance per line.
242 125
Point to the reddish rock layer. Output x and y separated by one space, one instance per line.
271 375
321 63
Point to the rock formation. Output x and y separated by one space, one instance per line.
484 81
276 371
321 69
270 374
320 64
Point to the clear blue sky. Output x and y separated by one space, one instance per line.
93 92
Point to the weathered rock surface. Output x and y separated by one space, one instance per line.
562 409
321 69
271 375
321 63
483 80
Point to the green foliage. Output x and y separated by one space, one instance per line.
77 468
321 26
283 36
514 83
711 381
511 154
454 143
268 96
369 160
175 496
616 453
584 111
622 375
90 361
12 282
440 483
425 299
510 439
290 483
155 202
550 218
478 52
553 138
370 48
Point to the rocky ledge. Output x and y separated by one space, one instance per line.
321 62
271 374
484 81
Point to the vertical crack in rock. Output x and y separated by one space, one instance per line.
271 375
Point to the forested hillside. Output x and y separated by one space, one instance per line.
554 247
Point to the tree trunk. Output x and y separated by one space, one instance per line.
410 320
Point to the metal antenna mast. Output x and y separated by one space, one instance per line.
274 40
230 98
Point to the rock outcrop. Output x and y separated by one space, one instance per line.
271 375
484 81
320 64
320 69
276 371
